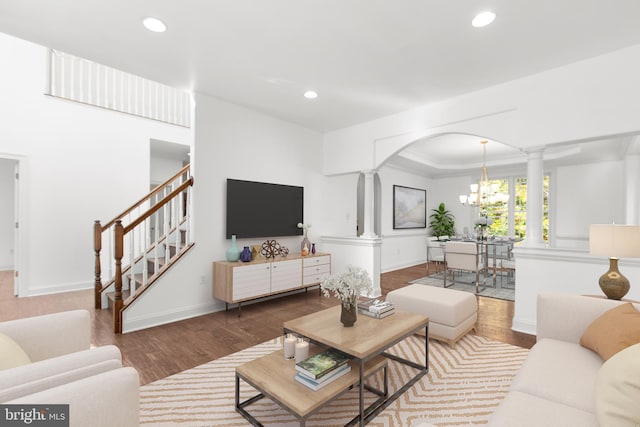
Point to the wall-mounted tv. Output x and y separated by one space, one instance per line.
260 209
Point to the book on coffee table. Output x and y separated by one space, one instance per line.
380 315
322 381
322 363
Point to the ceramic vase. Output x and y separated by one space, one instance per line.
233 252
305 242
313 248
245 255
349 313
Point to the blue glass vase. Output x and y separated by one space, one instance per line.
245 255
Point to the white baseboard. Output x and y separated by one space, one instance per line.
62 287
395 267
524 326
157 319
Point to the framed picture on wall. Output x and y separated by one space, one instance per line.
409 207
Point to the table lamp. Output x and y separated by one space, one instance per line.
614 241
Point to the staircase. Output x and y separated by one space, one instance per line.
141 244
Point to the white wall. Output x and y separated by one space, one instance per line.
594 98
7 218
161 169
80 164
586 194
235 142
401 248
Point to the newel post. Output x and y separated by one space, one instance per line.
117 299
97 247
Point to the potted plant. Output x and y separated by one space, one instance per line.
346 287
442 222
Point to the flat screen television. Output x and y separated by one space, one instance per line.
260 209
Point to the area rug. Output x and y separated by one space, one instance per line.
504 288
463 387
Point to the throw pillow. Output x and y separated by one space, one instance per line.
614 330
11 354
617 389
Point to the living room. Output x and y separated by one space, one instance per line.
581 101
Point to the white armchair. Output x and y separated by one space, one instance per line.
65 370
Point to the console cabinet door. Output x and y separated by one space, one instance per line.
250 281
286 275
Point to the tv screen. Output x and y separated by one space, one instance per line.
259 209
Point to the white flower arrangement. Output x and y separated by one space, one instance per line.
347 286
305 227
484 221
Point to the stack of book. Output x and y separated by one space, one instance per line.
320 369
375 308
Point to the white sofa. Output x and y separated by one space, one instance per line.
65 370
556 385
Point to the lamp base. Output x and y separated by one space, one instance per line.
613 283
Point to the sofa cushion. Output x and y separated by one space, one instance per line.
526 410
614 330
58 370
11 354
560 371
618 389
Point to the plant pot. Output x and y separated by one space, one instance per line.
349 313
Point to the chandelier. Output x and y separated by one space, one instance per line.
484 192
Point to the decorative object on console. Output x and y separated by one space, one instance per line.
614 241
305 240
255 251
245 255
270 248
233 252
313 248
347 287
305 250
284 251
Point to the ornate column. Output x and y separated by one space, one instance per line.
535 207
369 205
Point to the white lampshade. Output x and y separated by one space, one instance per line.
463 199
614 240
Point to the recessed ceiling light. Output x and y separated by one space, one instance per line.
154 24
310 94
483 19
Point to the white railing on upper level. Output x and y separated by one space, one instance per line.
81 80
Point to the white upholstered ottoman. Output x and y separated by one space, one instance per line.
452 313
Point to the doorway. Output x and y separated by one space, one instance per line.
9 224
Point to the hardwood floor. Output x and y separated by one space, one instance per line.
164 350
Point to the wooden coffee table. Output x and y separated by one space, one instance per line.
367 341
273 377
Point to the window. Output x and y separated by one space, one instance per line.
510 216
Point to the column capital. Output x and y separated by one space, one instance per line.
535 152
369 172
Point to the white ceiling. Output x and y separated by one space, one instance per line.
365 58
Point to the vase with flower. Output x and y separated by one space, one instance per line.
347 287
305 242
481 226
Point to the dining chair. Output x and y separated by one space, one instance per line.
435 253
463 256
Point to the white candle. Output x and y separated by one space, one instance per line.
289 346
302 350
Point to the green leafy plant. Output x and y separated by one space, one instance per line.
442 222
